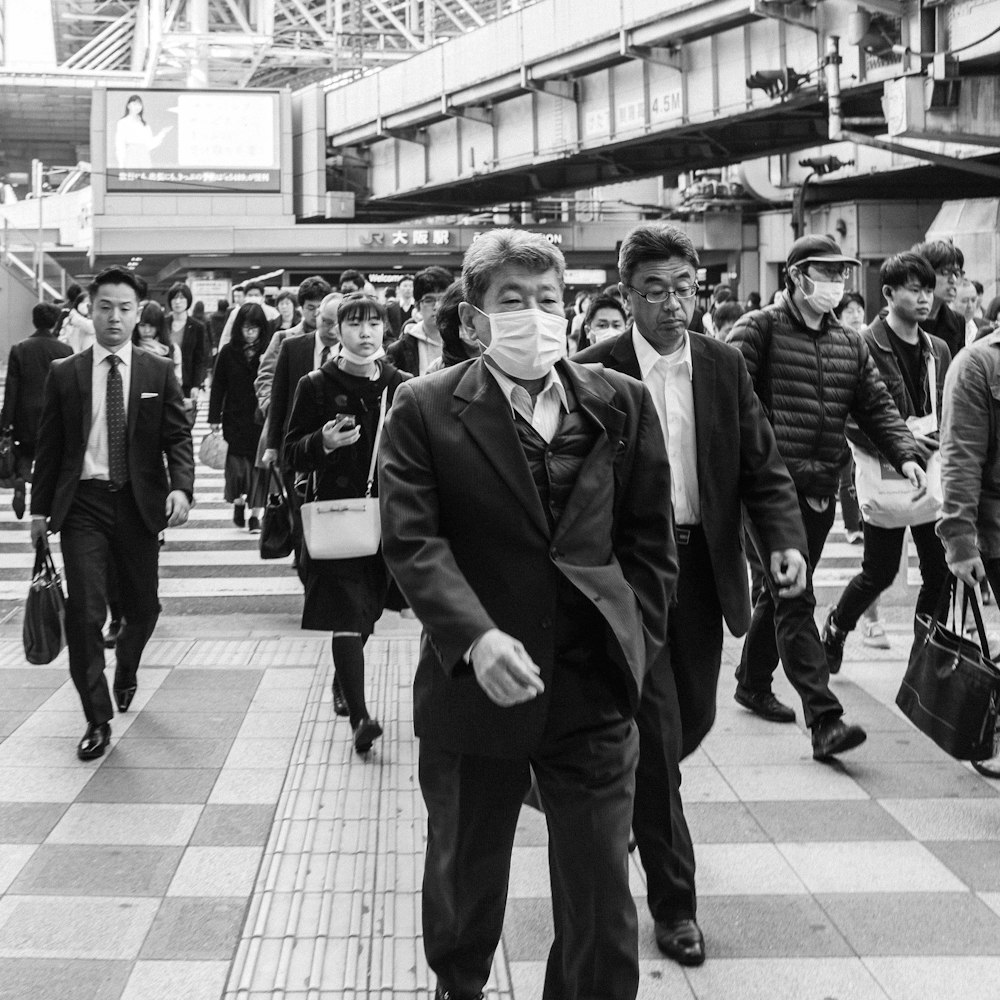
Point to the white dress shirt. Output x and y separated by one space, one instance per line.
95 459
549 405
318 348
669 380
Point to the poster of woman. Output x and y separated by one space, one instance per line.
163 139
134 139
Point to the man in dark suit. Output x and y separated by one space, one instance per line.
518 495
722 454
27 368
298 355
113 427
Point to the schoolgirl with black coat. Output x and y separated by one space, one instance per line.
331 436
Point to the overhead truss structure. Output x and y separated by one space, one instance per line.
256 43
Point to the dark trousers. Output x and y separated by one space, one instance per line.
585 770
848 497
100 529
787 627
883 548
676 712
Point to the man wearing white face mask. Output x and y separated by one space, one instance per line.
811 372
523 519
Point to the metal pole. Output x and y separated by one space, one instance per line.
831 72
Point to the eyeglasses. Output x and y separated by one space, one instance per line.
654 298
950 272
430 300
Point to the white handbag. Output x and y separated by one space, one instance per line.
885 497
349 527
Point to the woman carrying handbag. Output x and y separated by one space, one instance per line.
333 432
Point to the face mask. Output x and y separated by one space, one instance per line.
360 359
825 296
598 336
525 343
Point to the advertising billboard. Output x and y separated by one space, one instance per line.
181 140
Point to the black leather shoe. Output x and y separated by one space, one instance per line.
17 503
440 994
764 704
681 940
254 524
94 742
239 515
111 635
340 706
123 697
835 736
366 732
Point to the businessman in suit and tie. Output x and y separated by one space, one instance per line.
114 466
520 519
722 454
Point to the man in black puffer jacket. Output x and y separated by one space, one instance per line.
811 373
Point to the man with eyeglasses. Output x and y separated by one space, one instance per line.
419 345
811 372
948 263
722 455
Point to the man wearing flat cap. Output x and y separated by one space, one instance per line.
810 373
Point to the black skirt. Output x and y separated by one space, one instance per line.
344 595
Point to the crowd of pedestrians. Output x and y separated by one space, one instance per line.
574 503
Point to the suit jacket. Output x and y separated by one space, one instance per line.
158 430
404 354
295 361
196 355
27 370
467 540
738 462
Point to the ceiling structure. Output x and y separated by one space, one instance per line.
256 43
214 44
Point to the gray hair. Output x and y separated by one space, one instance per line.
654 241
501 247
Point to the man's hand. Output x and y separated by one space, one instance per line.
504 670
39 529
917 478
178 508
270 456
970 571
195 394
789 571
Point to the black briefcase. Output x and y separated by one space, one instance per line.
951 689
44 631
276 530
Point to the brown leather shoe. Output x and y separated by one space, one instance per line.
681 940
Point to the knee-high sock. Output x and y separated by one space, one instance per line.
349 662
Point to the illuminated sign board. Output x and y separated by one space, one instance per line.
193 141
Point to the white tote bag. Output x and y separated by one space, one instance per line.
885 497
349 527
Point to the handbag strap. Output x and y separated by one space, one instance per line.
378 437
932 387
276 479
969 597
41 551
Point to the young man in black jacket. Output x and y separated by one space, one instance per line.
811 372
